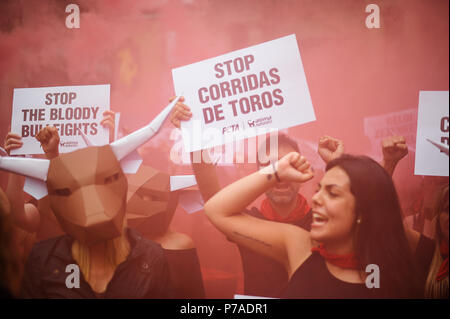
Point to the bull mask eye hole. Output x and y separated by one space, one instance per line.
112 178
63 191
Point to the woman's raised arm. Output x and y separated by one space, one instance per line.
285 243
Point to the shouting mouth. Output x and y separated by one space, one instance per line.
318 220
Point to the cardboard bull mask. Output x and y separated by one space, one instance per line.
151 204
87 188
90 201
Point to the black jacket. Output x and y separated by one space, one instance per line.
144 274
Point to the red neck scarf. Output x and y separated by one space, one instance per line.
298 213
443 270
347 261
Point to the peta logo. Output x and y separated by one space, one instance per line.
68 144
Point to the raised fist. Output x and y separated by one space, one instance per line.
294 168
330 148
49 139
394 148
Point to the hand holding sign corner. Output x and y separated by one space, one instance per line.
180 112
12 141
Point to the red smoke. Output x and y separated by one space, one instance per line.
352 72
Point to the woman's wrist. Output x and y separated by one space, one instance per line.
270 172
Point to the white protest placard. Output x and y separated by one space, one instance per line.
244 93
403 123
432 126
68 108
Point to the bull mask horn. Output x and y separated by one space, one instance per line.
29 167
121 148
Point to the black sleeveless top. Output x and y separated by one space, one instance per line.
264 276
313 280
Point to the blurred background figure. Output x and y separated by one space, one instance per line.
10 268
437 279
150 209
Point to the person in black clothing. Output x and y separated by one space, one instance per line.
356 222
264 276
143 274
112 261
150 210
283 203
87 189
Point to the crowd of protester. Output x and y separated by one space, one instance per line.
288 247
